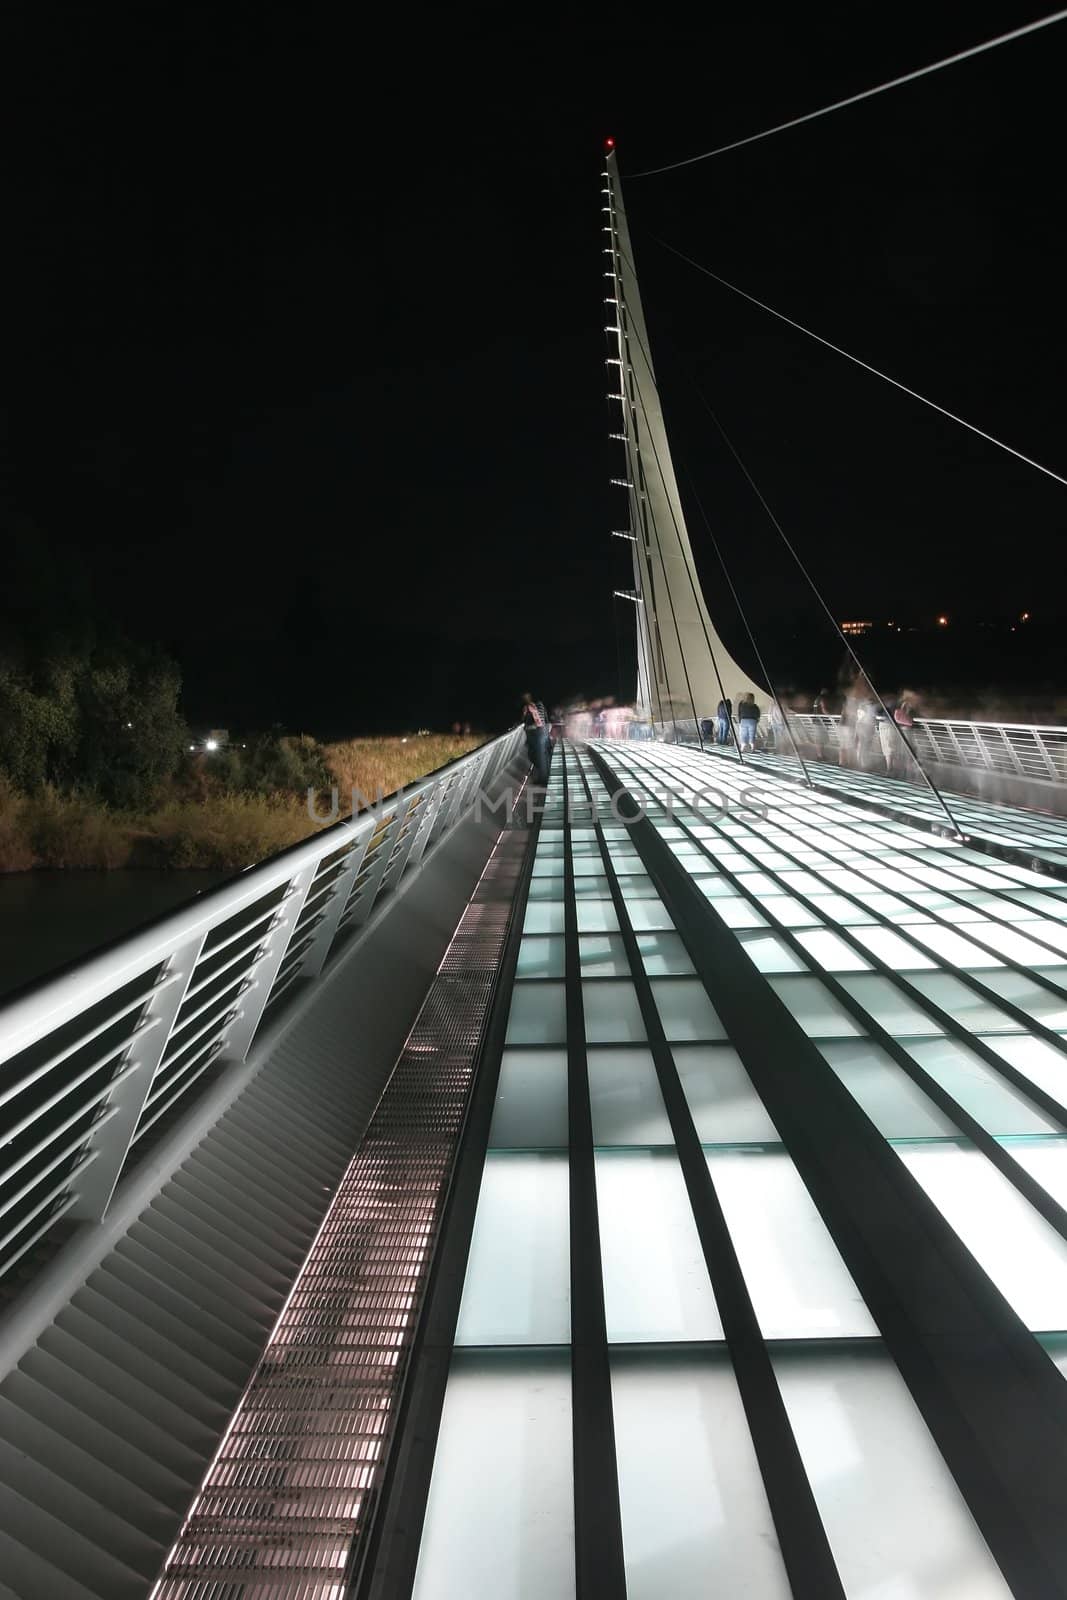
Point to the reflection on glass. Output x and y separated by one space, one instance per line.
500 1515
897 1524
695 1518
517 1288
656 1283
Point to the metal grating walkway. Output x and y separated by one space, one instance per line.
290 1492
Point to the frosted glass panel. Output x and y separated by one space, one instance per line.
685 1010
1011 942
531 1101
894 951
1025 1257
1041 1004
517 1289
695 1518
603 955
897 1524
538 1014
543 916
829 950
835 908
953 948
656 1283
890 1007
541 957
1041 1062
738 913
635 886
970 1007
980 1089
800 1287
663 953
769 952
1045 1160
722 1102
649 913
503 1463
789 912
820 1014
625 1098
612 1013
597 916
895 1104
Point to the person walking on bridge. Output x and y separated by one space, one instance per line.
747 718
723 718
535 722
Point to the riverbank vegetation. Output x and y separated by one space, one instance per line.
220 810
99 770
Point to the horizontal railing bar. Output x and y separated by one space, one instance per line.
270 915
221 1020
39 1072
53 1194
28 1244
212 977
83 1039
168 1101
42 1172
56 1133
68 1088
175 1087
227 988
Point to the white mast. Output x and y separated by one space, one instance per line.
683 667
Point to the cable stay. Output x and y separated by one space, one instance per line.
943 411
865 94
817 592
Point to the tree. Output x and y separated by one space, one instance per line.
131 733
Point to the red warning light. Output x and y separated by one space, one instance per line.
609 144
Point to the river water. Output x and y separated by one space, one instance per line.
50 918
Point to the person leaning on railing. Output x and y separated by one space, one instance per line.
535 723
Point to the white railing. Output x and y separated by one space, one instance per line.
91 1060
1012 749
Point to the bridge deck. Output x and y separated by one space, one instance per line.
1035 835
754 1263
779 1133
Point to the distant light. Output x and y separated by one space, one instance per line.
129 724
1025 617
943 622
403 741
609 144
192 747
211 744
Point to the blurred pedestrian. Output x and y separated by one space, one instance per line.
747 719
723 717
887 737
535 722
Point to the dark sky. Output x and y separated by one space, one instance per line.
306 349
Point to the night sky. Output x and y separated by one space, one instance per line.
305 341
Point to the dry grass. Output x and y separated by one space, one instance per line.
376 766
225 831
222 830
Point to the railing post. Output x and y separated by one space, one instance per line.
322 942
1050 766
413 817
110 1141
251 1003
377 873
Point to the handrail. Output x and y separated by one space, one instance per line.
106 1032
1035 752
